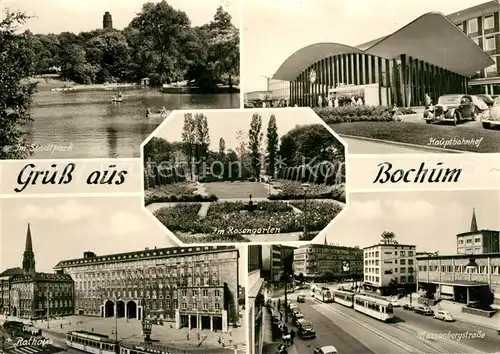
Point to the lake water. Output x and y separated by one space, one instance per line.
93 127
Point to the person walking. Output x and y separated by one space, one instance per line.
427 99
292 336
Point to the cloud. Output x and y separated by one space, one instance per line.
122 222
65 213
369 210
409 210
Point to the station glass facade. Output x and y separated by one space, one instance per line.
403 81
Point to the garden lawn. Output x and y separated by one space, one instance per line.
420 134
222 217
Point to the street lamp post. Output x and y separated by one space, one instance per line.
285 276
48 309
305 186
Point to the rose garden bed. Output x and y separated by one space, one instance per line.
175 192
292 190
223 217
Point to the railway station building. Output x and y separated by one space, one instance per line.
431 55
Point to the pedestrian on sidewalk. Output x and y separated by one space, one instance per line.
187 336
285 328
292 336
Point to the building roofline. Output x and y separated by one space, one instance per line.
321 245
389 244
153 254
476 232
460 256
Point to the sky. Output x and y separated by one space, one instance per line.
429 220
226 124
56 16
63 228
275 29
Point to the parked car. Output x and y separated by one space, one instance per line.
329 349
301 298
444 315
292 306
296 317
487 99
305 329
423 310
493 119
295 310
408 307
455 109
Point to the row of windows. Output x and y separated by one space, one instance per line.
402 279
55 304
395 253
475 250
141 273
395 270
171 282
373 306
460 269
473 24
476 240
194 306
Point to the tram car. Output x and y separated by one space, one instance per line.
345 298
321 293
90 342
373 307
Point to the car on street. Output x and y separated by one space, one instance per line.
423 310
296 318
295 310
408 307
456 109
488 99
493 119
292 306
305 329
444 315
301 298
329 349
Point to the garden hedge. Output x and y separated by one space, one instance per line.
332 115
179 199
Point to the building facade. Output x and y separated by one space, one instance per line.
478 241
389 267
41 295
315 261
280 92
399 68
197 287
276 259
29 294
481 23
460 278
255 318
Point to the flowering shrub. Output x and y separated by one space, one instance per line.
319 214
291 190
173 193
221 218
344 114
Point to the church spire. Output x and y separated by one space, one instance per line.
29 256
473 224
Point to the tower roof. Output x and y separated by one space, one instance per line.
29 243
473 224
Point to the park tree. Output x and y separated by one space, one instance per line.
163 39
17 65
222 147
189 140
255 136
272 145
202 139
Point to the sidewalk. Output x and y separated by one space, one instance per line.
455 309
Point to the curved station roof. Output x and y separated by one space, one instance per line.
432 38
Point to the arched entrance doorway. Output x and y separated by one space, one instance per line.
109 309
131 309
120 309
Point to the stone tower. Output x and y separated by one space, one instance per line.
28 256
107 21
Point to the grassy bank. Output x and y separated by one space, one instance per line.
421 134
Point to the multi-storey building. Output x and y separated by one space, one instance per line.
389 267
322 260
258 97
197 287
41 295
481 23
276 259
462 278
30 294
478 241
5 281
280 92
255 300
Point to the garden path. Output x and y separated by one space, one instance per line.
236 190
